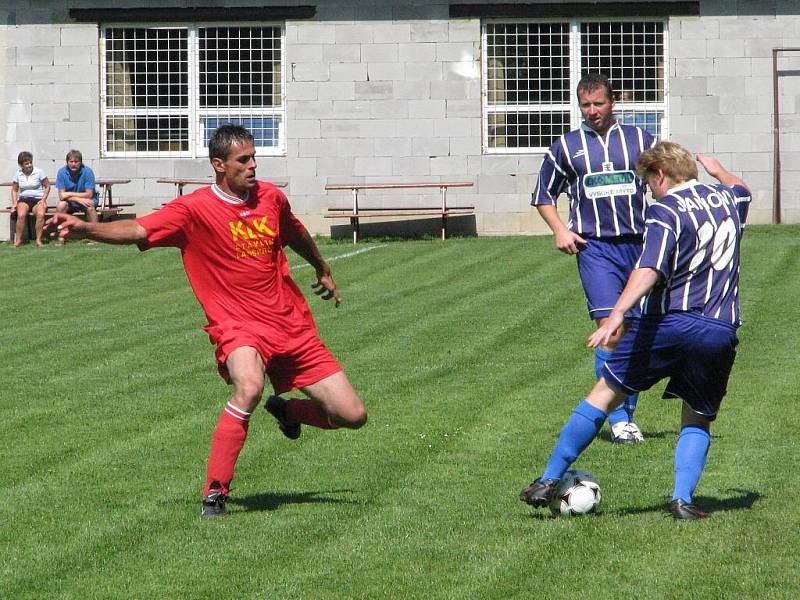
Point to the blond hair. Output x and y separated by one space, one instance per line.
673 159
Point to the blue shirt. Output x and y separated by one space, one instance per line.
692 238
82 181
606 198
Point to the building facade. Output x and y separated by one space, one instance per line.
393 91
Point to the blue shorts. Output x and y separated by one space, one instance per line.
694 351
604 267
79 207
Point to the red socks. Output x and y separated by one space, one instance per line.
231 432
307 412
226 443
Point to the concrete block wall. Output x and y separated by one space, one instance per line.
391 91
721 93
374 92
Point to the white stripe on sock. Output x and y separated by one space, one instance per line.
237 413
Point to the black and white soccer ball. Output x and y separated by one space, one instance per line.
578 493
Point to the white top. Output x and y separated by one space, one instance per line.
30 186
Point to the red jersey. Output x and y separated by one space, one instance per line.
233 255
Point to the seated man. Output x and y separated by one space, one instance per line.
29 190
76 188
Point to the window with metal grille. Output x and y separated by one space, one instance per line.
166 89
531 70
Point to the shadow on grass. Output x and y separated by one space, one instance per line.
605 435
744 499
272 500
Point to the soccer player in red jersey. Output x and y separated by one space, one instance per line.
231 237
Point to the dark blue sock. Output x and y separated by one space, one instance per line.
630 405
619 414
690 460
577 433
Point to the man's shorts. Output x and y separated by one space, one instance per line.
604 267
79 206
292 361
696 352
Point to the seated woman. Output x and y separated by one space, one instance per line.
29 190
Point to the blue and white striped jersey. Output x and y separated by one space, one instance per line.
692 237
606 198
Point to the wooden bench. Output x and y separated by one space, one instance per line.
105 210
103 214
365 212
106 195
180 183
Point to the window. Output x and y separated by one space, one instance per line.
531 70
165 89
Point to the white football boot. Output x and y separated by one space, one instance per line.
626 433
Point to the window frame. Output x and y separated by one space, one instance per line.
194 112
575 57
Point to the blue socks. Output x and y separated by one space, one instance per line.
690 460
624 412
577 433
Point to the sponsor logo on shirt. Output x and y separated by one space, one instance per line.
253 238
609 183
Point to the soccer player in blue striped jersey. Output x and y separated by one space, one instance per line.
687 280
594 167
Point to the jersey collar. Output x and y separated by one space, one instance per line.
681 186
588 129
225 197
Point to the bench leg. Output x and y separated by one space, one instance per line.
354 224
12 232
29 231
444 227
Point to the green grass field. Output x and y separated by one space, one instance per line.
469 353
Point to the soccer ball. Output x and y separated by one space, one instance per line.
578 493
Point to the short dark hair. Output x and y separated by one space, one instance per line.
219 146
74 154
592 81
24 157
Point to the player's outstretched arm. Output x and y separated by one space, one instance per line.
325 286
565 240
640 282
65 226
714 168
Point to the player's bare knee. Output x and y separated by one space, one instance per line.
248 393
359 419
353 417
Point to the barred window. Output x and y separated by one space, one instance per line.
531 70
166 89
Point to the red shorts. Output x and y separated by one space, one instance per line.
292 362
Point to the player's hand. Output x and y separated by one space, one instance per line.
712 166
606 331
325 288
567 241
64 226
